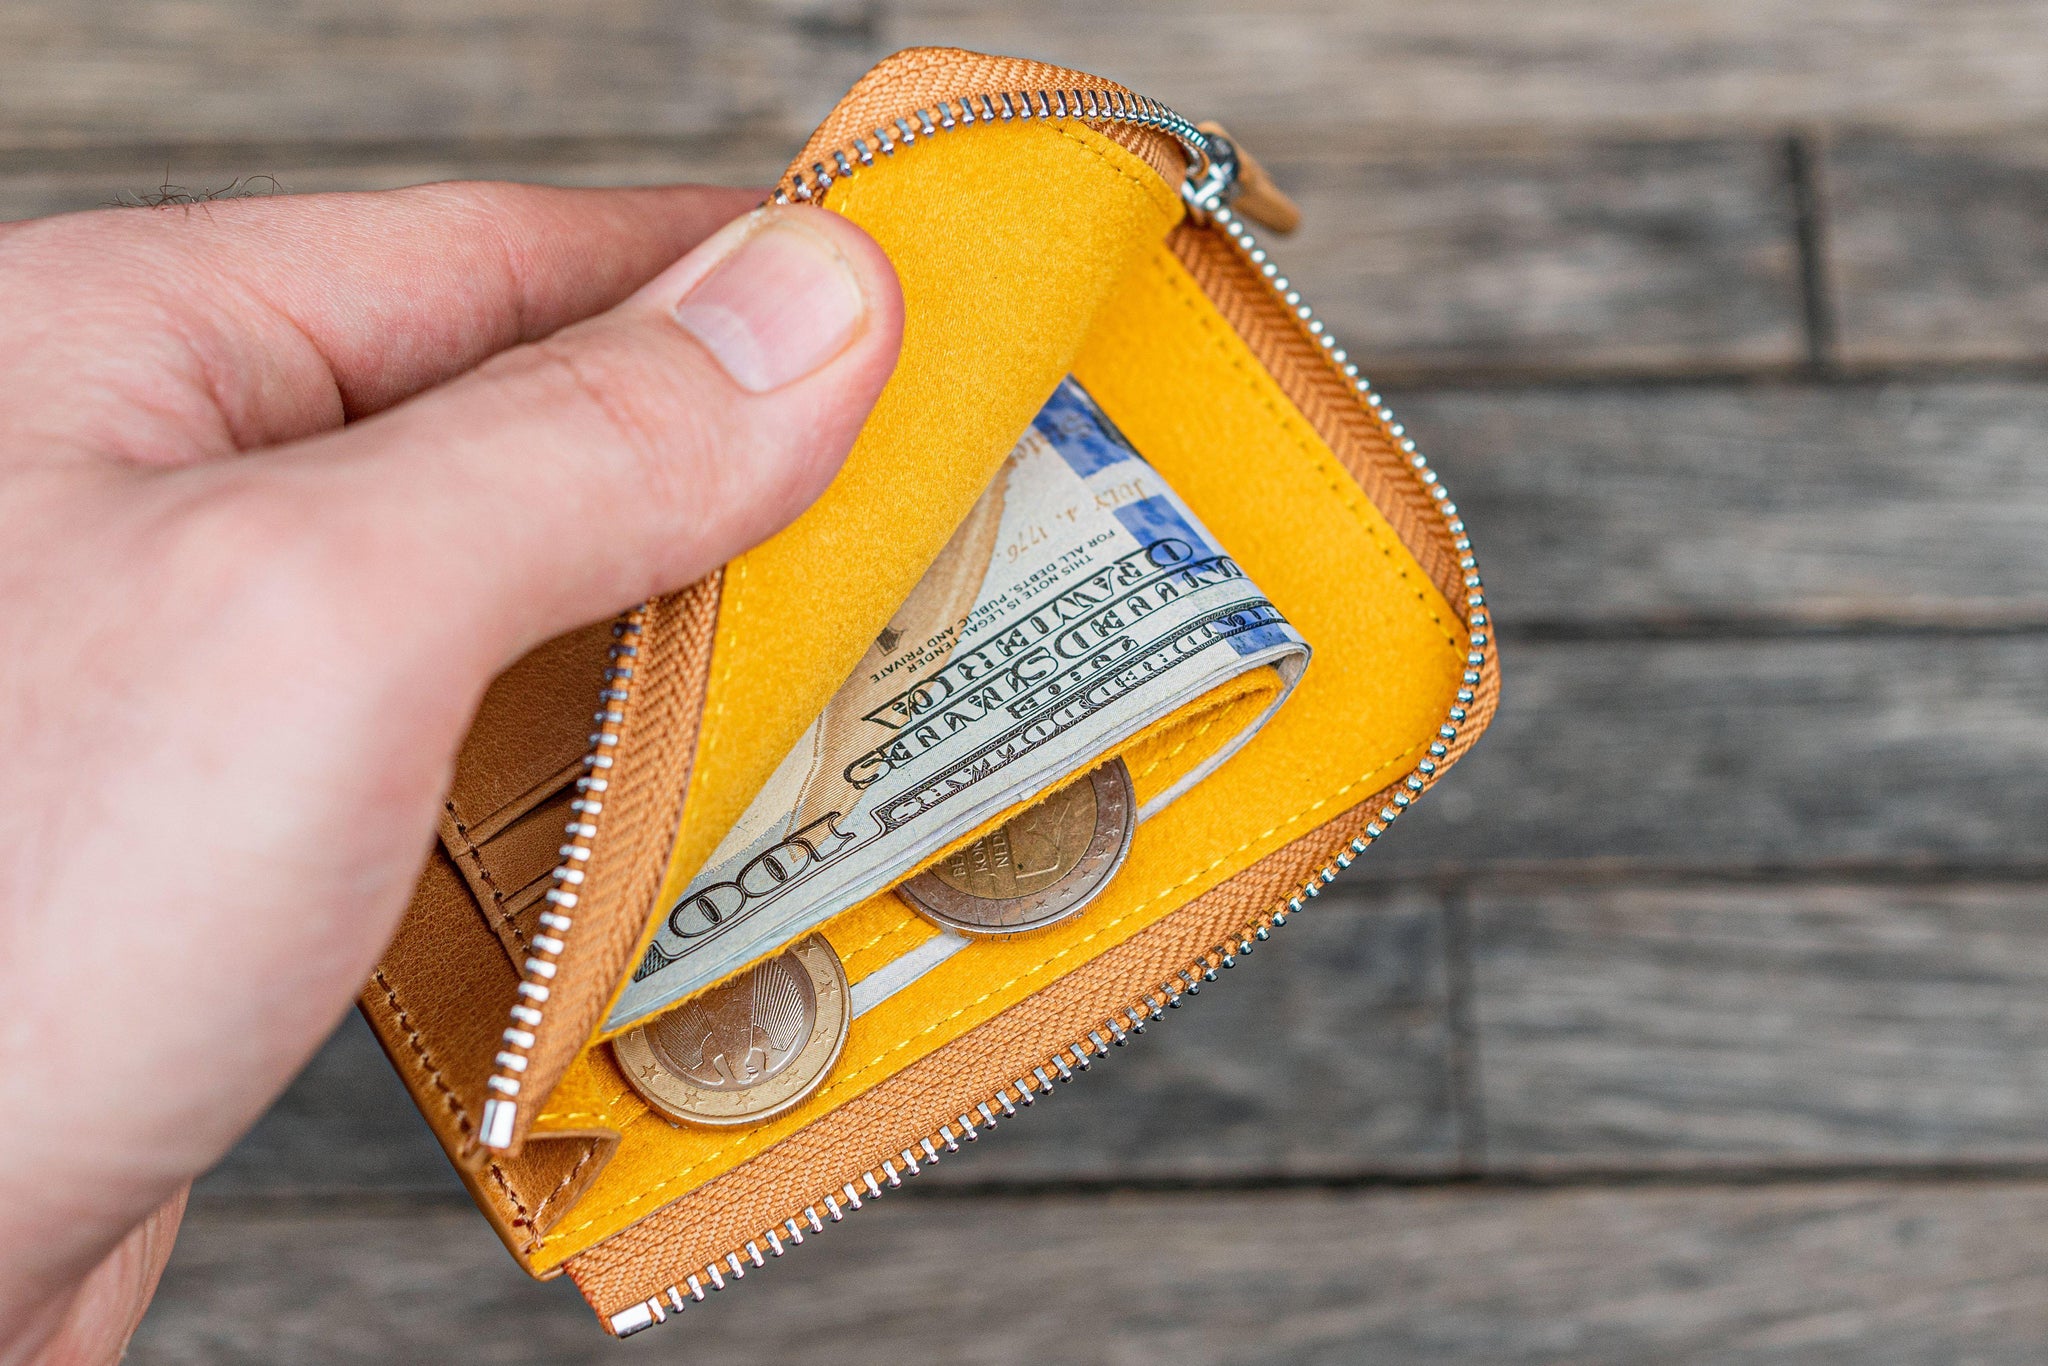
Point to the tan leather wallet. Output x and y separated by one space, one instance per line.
1045 223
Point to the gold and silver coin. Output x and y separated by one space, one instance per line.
1042 865
748 1049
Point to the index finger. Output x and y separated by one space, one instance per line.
262 320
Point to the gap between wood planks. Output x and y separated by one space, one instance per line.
1500 1180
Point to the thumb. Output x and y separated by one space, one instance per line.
623 456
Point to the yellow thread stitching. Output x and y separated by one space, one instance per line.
1349 493
840 1085
1340 481
1174 753
737 592
880 935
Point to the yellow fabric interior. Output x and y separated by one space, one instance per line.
1388 655
999 291
1157 756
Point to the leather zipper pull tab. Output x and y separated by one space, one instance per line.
1254 194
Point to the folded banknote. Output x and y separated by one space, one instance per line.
1078 603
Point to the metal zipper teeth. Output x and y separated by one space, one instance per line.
1103 106
1020 1093
1208 196
501 1107
544 949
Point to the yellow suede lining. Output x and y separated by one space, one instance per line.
1388 655
1001 287
1162 752
1158 756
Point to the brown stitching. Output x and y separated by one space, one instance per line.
841 1083
475 854
448 1096
1353 500
483 871
539 1238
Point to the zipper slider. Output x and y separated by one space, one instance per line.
1233 177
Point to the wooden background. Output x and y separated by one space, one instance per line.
1701 1016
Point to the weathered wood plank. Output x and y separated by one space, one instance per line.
1619 1027
1863 503
1500 63
1524 257
1710 755
1721 755
1545 256
1936 249
1680 1026
77 72
1854 1272
96 70
1324 1054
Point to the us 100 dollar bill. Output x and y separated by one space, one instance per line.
1079 602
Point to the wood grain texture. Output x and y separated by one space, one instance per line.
1689 1026
1538 255
1492 63
79 72
1795 504
1721 755
1322 1054
1936 250
1760 624
1798 1275
74 72
1325 1053
1639 257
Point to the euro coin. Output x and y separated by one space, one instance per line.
747 1049
1038 868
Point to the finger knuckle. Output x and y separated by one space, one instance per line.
633 403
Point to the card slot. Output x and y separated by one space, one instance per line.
1183 386
531 732
509 872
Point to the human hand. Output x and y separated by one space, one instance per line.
283 484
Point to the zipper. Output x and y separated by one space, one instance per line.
1214 175
537 973
1104 106
1220 181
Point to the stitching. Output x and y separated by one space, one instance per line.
909 920
895 929
561 1186
1350 495
566 1115
735 594
475 855
448 1096
1174 753
1340 481
842 1083
1150 183
1195 876
880 935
